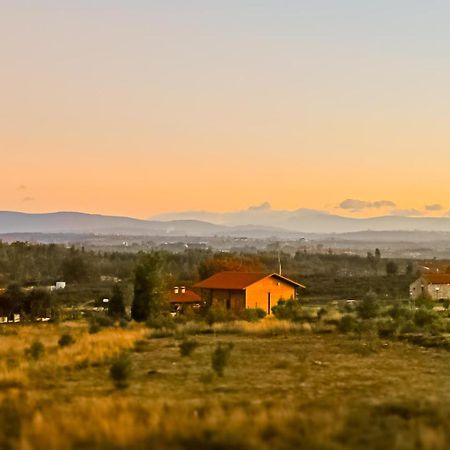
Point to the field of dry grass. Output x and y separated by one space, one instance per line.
284 387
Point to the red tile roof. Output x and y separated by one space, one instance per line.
184 297
238 280
437 278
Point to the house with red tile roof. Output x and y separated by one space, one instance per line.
180 297
434 285
240 290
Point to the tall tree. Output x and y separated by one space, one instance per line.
148 288
116 306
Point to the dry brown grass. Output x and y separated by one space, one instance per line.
284 388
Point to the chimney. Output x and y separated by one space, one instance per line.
175 290
183 289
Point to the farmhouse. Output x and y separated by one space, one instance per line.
435 285
239 290
179 297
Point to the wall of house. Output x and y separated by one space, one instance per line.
435 291
230 299
257 294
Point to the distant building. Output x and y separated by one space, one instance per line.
60 285
240 290
180 297
435 285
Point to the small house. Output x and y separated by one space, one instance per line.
434 285
180 297
240 290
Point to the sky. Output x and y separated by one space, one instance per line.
139 107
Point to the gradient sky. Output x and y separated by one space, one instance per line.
137 107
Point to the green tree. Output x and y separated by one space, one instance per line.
391 268
369 307
116 306
148 288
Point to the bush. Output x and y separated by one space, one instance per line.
65 340
162 322
94 328
399 312
218 313
253 314
291 310
368 308
187 346
35 351
99 321
221 357
424 301
120 371
388 328
348 324
424 317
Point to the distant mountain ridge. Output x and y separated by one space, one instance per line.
312 221
252 223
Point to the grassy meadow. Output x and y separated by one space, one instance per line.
284 386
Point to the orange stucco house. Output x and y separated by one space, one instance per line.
240 290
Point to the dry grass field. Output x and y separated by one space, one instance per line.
283 388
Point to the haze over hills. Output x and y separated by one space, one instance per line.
312 221
257 222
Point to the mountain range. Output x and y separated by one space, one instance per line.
256 222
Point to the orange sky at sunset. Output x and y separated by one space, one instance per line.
144 108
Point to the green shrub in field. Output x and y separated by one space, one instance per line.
160 322
388 328
408 327
99 321
399 312
120 371
424 301
218 313
291 310
187 346
221 357
348 324
66 340
35 351
369 307
253 314
424 317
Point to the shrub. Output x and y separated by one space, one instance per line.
35 351
162 322
218 313
99 321
399 312
220 358
424 317
65 340
120 371
253 314
187 346
368 308
424 301
387 328
348 324
94 328
291 310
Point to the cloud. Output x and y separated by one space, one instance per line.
434 207
28 199
358 205
406 212
266 206
22 187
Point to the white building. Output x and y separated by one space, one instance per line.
434 285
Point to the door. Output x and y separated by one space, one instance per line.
269 309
